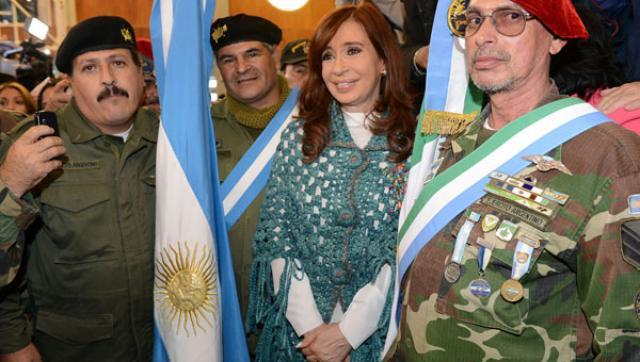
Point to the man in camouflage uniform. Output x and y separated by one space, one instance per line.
580 296
87 291
244 49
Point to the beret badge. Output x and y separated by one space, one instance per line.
455 17
126 35
218 32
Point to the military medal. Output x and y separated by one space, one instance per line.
453 269
489 222
512 291
452 272
506 231
480 287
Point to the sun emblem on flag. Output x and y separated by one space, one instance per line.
186 283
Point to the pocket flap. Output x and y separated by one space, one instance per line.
74 198
75 330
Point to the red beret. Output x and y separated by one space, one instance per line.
559 16
144 47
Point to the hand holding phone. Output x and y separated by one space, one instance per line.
48 119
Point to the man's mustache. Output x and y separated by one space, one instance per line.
111 91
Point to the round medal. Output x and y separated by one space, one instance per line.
512 291
480 288
452 272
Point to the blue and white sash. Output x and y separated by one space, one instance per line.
446 89
453 190
251 174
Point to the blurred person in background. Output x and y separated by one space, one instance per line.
15 97
293 62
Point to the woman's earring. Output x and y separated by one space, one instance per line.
384 72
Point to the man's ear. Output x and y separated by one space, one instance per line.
556 45
277 55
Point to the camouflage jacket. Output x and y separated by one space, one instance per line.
15 215
581 293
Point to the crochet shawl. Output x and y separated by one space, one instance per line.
338 217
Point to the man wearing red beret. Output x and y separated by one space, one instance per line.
531 246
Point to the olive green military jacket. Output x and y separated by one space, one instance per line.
580 297
89 275
232 141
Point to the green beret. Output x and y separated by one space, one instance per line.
243 27
294 52
99 33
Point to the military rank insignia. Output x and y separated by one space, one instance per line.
455 17
445 123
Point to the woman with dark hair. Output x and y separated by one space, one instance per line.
589 69
324 250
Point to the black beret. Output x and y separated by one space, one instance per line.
243 27
99 33
294 52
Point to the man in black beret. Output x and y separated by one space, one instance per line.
87 291
293 62
245 52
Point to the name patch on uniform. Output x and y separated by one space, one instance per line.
638 304
523 214
81 165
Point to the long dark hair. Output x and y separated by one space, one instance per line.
584 66
395 100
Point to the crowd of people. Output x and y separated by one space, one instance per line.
537 259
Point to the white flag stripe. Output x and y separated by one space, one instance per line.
458 79
256 167
166 9
183 222
501 155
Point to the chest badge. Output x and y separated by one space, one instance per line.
546 163
489 222
506 231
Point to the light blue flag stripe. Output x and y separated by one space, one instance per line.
184 95
439 67
515 164
243 166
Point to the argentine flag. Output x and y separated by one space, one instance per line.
196 308
448 89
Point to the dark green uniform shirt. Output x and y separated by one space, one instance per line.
90 267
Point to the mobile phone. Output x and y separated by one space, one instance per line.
48 119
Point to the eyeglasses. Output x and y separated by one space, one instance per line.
508 22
